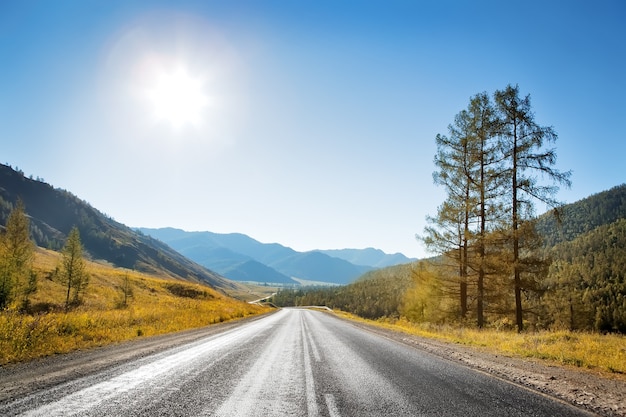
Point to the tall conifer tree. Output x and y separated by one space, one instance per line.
466 162
522 143
486 181
449 232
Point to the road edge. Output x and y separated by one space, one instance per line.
23 378
585 390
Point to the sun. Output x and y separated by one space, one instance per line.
177 98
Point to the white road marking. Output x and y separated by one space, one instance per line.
311 401
333 411
316 352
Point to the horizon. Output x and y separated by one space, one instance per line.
311 125
37 178
267 243
132 227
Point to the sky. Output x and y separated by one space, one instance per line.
307 123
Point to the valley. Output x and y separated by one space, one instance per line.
165 300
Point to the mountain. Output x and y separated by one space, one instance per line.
228 253
584 287
251 271
53 212
583 216
375 258
316 266
235 242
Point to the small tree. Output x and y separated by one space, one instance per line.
73 273
17 279
424 301
127 292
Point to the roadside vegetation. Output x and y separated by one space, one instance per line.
550 287
587 350
117 305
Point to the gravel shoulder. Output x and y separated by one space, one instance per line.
583 388
591 391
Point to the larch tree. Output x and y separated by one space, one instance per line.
449 231
17 279
73 273
468 163
523 144
127 291
486 180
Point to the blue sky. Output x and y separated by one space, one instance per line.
315 120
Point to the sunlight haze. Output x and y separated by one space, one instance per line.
309 124
177 98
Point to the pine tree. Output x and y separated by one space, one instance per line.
449 232
127 291
17 280
467 162
73 272
522 144
486 183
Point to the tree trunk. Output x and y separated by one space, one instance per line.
465 259
516 269
463 285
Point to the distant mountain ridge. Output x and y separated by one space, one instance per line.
53 212
239 257
375 258
175 253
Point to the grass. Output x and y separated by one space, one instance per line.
251 292
158 305
605 353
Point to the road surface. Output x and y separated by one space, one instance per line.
292 363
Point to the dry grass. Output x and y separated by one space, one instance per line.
159 305
592 351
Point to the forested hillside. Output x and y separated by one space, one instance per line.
583 216
406 290
53 212
55 301
584 286
376 294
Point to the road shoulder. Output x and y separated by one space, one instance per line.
582 388
20 379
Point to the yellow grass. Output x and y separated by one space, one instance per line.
591 351
101 319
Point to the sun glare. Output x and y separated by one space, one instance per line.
178 98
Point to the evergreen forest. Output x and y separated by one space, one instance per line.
584 288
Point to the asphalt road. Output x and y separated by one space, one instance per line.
292 363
